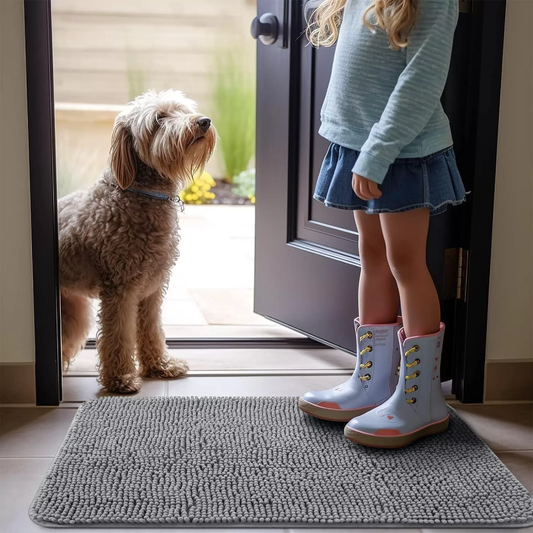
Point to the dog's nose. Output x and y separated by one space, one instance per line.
204 123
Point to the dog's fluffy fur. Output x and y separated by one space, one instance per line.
120 246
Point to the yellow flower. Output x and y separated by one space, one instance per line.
198 192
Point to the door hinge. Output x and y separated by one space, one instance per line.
466 6
455 274
462 274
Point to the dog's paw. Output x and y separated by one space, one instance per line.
168 368
127 384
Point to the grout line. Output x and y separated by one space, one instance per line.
492 403
507 361
30 457
507 402
513 451
74 404
26 405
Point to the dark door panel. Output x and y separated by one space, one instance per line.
316 223
307 264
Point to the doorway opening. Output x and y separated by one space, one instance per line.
108 52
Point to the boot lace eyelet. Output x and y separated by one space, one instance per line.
414 388
367 335
411 400
366 365
366 377
367 349
414 349
414 363
412 376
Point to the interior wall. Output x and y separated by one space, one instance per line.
16 292
510 331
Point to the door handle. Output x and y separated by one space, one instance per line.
265 28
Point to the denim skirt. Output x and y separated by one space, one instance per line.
433 182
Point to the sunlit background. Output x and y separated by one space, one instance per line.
106 52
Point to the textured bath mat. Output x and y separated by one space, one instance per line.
245 461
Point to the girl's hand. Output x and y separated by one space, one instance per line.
364 188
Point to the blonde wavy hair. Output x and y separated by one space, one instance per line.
396 17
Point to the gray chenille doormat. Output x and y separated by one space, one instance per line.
242 461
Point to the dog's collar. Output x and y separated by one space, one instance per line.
158 196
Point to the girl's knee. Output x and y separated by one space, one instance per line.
373 255
406 263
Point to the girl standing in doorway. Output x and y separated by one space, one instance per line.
391 161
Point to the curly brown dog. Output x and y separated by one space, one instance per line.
119 240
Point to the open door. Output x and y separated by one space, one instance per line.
307 261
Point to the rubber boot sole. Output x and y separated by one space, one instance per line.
396 441
332 415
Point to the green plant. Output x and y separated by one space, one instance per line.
244 184
199 191
234 112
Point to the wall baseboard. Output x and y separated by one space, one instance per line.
509 380
505 381
17 383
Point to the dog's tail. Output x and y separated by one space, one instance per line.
76 322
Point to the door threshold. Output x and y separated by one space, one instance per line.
242 373
204 343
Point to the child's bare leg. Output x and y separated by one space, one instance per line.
378 293
405 237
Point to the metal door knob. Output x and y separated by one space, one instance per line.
265 28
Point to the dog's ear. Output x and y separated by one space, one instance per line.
122 157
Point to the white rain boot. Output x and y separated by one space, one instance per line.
372 382
417 407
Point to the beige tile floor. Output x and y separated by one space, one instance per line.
216 260
29 437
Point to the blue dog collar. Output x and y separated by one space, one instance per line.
158 196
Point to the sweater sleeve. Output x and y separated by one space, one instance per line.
417 92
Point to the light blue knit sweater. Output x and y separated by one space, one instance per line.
386 103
